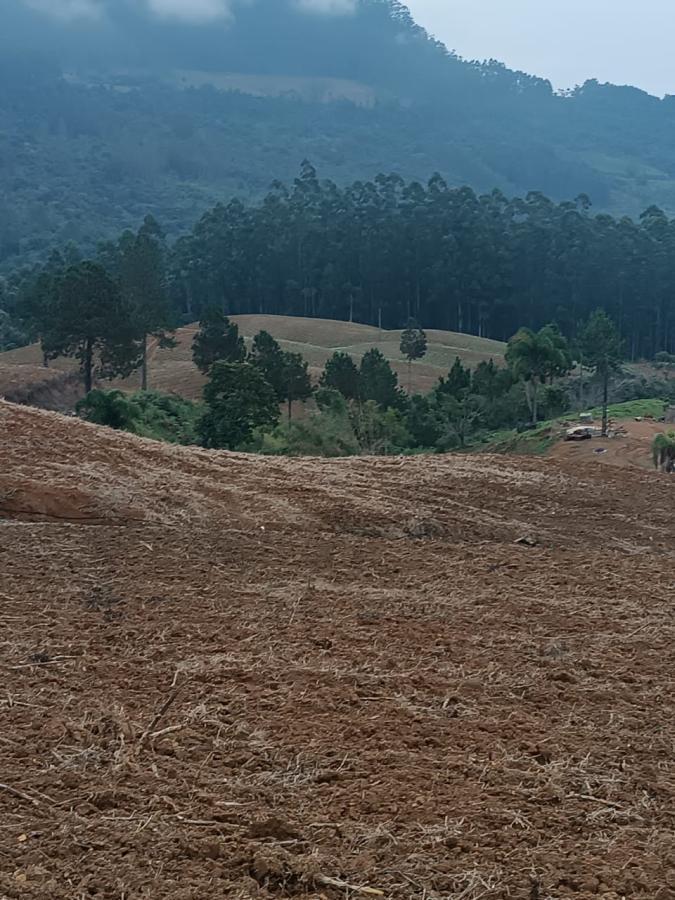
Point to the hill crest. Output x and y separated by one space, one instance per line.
172 371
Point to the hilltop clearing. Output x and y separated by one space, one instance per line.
263 678
316 339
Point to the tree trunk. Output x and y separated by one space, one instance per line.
88 366
410 378
144 364
290 410
535 398
605 402
188 299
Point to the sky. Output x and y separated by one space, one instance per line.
622 41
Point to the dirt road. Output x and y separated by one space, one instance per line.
227 676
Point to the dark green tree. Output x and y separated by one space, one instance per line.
162 417
490 380
602 350
379 431
534 357
297 383
462 416
139 261
11 336
37 299
113 409
84 316
217 340
458 382
238 401
562 362
424 421
267 356
413 346
341 374
379 382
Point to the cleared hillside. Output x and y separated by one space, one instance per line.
316 339
228 676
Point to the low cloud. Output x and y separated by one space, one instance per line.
199 11
66 10
327 7
191 10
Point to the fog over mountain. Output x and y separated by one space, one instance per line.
111 108
184 10
222 35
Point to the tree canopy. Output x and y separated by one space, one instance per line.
85 156
378 381
217 340
81 313
341 374
238 400
413 346
535 358
139 264
383 251
602 350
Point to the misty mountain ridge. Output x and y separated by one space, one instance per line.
111 108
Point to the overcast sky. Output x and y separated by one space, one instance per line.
622 41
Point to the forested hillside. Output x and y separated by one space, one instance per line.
103 120
383 251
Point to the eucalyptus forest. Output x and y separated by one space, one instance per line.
383 251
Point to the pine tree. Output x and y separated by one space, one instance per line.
143 278
602 349
379 382
267 356
458 382
238 400
296 380
217 340
84 316
341 374
413 346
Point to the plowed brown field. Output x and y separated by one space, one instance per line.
235 677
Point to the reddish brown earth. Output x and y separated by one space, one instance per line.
234 677
631 448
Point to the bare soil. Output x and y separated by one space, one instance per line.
629 450
430 678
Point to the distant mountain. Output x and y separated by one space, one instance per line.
115 111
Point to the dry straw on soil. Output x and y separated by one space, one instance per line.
227 676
